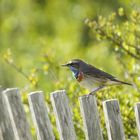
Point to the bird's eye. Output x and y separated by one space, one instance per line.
71 64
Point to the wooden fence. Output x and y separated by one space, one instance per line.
14 125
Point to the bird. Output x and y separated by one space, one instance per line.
91 77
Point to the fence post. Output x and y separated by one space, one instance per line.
63 115
16 114
137 115
90 117
40 116
6 131
113 120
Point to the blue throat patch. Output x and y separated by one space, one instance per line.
74 71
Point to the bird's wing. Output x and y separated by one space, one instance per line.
97 73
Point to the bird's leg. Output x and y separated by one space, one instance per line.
94 91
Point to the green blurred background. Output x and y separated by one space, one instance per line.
37 36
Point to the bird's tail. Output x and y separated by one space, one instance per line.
121 82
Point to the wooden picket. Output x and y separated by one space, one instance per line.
14 125
6 131
17 114
113 120
40 116
63 115
137 114
91 118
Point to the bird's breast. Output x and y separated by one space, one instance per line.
80 76
89 83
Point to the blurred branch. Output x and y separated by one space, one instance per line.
120 44
125 37
117 42
51 67
107 28
32 78
18 69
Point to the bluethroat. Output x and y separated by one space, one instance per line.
91 77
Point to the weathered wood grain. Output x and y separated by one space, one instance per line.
137 115
6 131
113 120
40 116
1 135
16 114
90 117
63 115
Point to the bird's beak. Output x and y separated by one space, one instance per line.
64 65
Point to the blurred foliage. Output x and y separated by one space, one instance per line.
38 36
124 36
